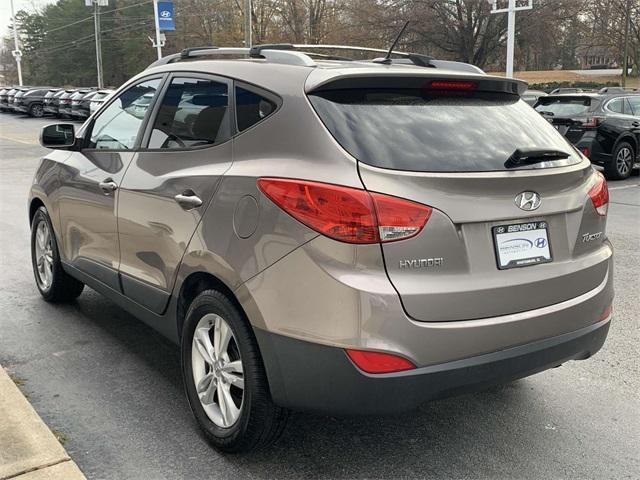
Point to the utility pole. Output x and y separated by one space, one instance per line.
158 43
625 60
511 27
247 23
17 54
96 24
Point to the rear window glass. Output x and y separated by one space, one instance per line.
417 130
564 107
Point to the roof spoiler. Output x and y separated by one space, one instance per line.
430 80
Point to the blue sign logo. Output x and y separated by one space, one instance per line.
165 16
541 242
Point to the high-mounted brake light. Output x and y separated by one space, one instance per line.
347 214
458 85
599 195
379 362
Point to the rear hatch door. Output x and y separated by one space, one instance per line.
502 238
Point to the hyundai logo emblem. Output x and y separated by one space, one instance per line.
541 242
165 13
527 201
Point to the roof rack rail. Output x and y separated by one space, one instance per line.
617 90
300 54
415 58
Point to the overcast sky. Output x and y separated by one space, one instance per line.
5 11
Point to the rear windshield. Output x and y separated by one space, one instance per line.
418 130
564 106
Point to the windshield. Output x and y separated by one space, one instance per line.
417 130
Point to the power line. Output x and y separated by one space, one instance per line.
91 17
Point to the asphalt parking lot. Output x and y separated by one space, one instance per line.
112 386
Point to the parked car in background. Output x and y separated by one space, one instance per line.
15 101
51 100
3 98
604 126
31 102
98 99
11 96
80 103
532 96
64 102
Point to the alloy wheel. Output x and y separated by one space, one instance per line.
624 161
218 372
43 250
37 111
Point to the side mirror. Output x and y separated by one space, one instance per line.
59 135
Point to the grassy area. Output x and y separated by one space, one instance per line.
549 79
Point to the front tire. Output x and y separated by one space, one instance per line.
36 110
621 163
224 377
54 284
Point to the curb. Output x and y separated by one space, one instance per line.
28 449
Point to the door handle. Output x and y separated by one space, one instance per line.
188 200
108 186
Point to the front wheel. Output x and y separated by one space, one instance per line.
621 163
224 377
36 110
54 284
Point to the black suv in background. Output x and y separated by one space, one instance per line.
31 102
604 126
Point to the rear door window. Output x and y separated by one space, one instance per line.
194 113
418 130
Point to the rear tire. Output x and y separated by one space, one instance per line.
54 284
621 164
214 370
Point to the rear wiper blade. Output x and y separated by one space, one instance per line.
527 156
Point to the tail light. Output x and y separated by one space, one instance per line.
379 362
585 151
591 122
347 214
599 195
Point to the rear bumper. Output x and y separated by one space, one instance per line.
597 153
309 376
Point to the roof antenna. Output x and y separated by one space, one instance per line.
387 59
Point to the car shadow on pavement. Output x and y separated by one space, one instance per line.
442 438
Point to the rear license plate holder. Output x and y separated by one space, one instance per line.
522 244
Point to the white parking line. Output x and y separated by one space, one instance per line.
625 186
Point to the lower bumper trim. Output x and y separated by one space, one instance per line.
313 377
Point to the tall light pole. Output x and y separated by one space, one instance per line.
625 61
96 24
158 42
247 23
511 27
17 54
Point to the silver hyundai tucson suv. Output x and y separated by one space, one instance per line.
324 234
